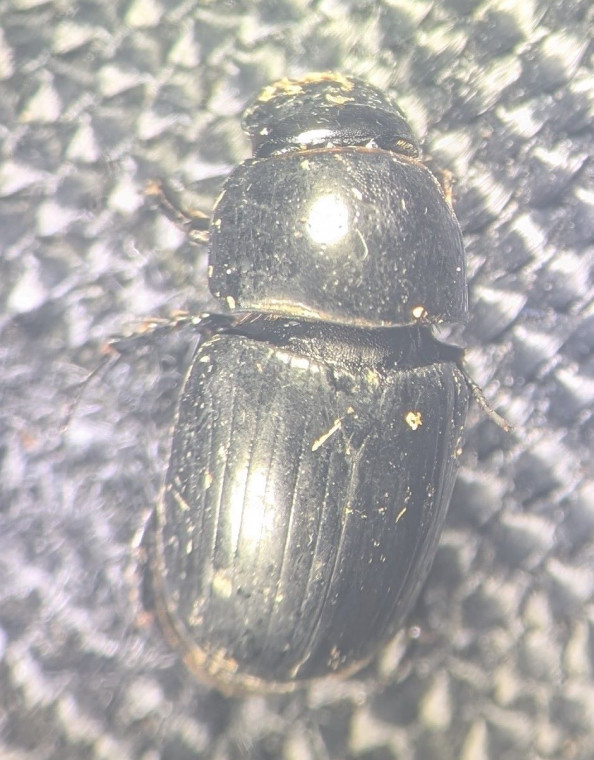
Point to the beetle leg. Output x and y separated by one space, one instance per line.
109 357
205 323
479 397
118 346
193 222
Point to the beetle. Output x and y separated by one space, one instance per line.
317 437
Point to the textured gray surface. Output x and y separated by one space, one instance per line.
95 98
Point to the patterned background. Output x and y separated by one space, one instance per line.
95 99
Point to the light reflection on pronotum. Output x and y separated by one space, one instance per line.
328 220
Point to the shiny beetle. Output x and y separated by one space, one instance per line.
319 427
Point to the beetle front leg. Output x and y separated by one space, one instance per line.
193 222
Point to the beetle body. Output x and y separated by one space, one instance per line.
316 441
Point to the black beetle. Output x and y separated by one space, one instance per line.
318 432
